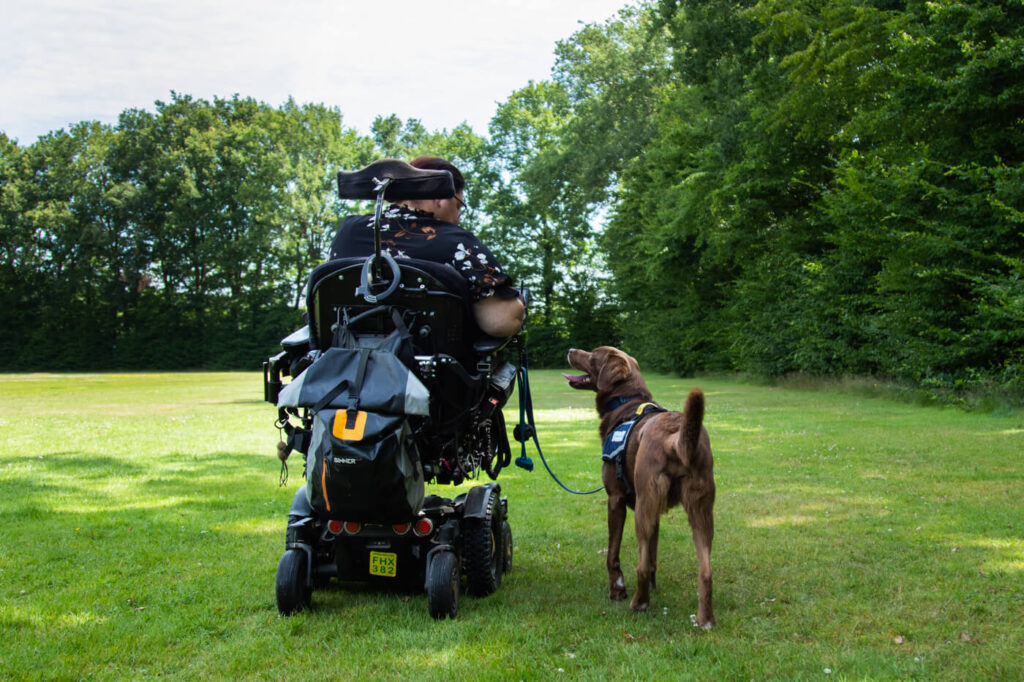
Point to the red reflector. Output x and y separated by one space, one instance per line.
423 527
353 527
334 526
401 528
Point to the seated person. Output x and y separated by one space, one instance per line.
428 229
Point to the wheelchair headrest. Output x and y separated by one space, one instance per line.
407 182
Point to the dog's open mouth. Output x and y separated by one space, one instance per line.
579 381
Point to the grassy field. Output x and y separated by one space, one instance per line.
857 538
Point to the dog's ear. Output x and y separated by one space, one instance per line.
615 370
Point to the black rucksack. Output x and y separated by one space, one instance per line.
362 462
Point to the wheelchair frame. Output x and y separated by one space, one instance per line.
449 540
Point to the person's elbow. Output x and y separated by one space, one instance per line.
499 317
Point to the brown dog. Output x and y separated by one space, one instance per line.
667 461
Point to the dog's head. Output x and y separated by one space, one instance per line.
608 371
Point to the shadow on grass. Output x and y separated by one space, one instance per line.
79 464
81 484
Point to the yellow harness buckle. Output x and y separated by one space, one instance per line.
644 406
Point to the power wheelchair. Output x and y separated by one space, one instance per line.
363 515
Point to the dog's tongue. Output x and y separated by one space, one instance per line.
580 381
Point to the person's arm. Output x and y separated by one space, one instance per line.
498 308
499 316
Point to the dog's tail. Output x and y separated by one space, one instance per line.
693 420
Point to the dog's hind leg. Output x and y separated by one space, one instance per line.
703 526
616 521
654 553
650 495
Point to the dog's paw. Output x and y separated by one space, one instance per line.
639 607
706 626
617 591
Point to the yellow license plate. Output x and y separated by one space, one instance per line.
384 563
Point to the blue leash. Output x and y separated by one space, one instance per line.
527 429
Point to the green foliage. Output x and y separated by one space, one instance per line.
833 188
181 237
830 187
557 149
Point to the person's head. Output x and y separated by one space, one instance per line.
444 209
435 163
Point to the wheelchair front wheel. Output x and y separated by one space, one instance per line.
293 594
443 585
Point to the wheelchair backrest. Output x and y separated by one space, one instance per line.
433 297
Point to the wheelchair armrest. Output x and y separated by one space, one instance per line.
297 354
297 343
488 345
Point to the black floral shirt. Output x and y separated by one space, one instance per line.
406 233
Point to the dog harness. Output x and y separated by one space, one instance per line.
614 447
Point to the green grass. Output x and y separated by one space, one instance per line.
141 523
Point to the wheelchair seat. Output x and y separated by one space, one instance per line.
463 368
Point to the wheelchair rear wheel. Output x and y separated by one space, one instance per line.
484 550
506 545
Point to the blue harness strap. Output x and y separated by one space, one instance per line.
614 447
616 403
615 444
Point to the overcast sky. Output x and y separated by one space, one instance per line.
441 61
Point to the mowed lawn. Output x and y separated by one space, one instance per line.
141 522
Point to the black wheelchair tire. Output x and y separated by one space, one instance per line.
483 551
293 594
506 546
443 585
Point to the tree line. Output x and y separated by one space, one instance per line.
827 187
835 188
830 187
180 238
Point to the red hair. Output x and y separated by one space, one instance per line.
437 163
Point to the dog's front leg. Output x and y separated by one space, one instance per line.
616 521
645 529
